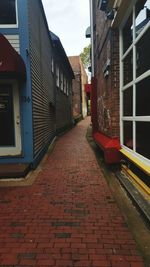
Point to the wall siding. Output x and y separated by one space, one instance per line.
14 41
42 81
63 110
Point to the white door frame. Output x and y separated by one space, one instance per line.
14 150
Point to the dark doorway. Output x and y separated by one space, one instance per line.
7 136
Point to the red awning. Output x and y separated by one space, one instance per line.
87 88
11 63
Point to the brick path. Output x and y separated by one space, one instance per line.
68 217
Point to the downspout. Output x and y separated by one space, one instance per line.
92 37
93 77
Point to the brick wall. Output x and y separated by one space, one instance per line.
107 48
79 104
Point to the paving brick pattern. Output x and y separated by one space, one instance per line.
68 217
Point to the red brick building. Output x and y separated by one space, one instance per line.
120 34
79 97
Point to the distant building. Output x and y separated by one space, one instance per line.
63 75
32 102
79 97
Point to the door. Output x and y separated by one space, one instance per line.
10 136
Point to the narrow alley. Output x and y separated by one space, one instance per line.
68 217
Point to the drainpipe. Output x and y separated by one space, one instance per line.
92 38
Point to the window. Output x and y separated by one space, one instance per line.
57 76
8 13
128 134
135 81
143 97
128 68
127 34
61 81
143 54
52 65
128 102
65 85
142 138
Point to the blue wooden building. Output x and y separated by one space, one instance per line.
31 92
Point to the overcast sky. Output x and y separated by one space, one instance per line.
69 19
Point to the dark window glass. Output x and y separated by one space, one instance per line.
7 12
7 136
127 34
128 102
128 134
143 54
142 15
128 68
143 98
142 138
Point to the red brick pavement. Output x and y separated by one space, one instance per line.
68 217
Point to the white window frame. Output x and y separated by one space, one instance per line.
133 83
12 25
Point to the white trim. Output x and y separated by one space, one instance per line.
127 86
143 76
16 150
127 52
136 118
142 118
4 26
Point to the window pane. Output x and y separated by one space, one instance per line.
128 68
143 98
128 102
142 15
61 81
127 34
128 134
57 76
143 54
7 12
142 138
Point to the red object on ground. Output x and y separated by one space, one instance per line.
87 88
110 146
11 63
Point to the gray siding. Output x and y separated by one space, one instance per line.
14 41
42 80
63 110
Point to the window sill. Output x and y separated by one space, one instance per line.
144 167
